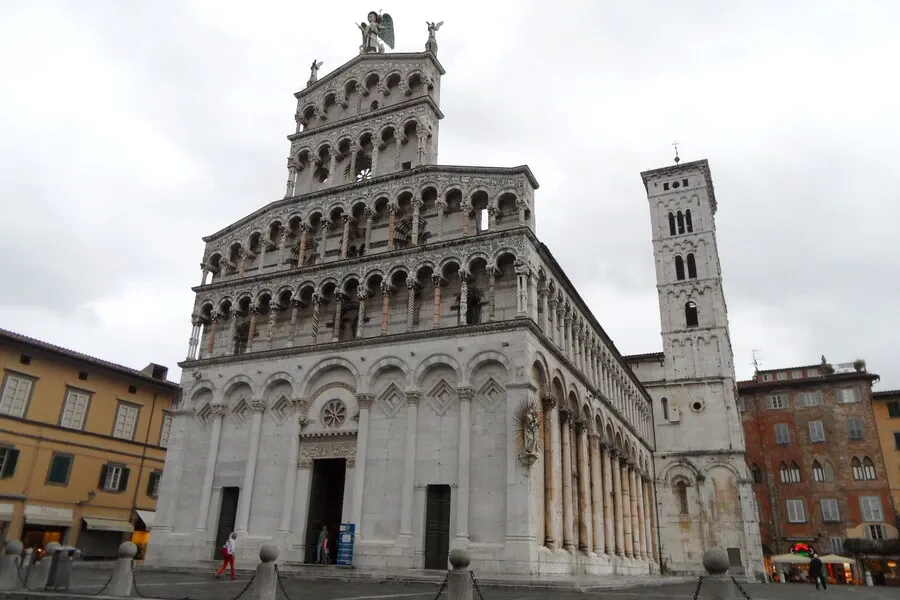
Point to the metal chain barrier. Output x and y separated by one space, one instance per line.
141 594
246 587
741 589
443 585
475 585
103 589
699 585
281 583
24 580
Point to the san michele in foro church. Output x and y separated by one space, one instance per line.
391 346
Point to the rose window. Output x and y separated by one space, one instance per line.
364 174
334 414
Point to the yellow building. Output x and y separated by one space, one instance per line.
82 446
886 405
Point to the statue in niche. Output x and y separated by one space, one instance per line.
380 28
314 72
431 44
528 419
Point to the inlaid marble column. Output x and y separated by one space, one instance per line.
585 518
551 441
635 513
361 296
642 524
463 296
242 260
204 272
345 235
194 341
291 181
304 242
626 510
653 526
324 224
609 499
565 415
292 328
522 273
332 163
386 290
211 336
597 494
362 445
409 466
351 172
464 464
216 412
258 407
551 320
338 309
232 331
493 213
270 331
442 207
492 300
466 217
411 285
618 502
377 147
437 281
567 335
370 214
520 210
314 332
290 476
648 533
392 225
417 204
421 140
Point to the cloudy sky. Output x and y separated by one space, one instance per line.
129 129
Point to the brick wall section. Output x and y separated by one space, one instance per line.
838 449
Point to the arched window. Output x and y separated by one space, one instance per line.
868 469
783 473
691 318
857 469
789 474
680 222
681 501
756 472
795 472
671 224
687 218
829 471
665 408
241 338
818 472
691 266
679 268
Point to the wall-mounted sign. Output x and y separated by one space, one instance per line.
802 549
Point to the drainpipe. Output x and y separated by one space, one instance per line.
137 487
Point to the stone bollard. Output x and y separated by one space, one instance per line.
265 582
123 572
717 585
9 567
459 580
40 573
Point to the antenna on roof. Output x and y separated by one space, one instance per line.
755 362
677 158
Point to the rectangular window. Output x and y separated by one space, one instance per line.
16 391
776 401
811 398
812 372
816 431
126 421
165 431
893 409
848 395
782 434
9 458
796 374
876 532
796 511
855 428
782 375
870 507
740 405
767 377
897 440
831 512
837 545
60 469
114 478
153 484
75 409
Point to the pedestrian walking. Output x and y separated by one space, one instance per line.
322 546
817 572
228 555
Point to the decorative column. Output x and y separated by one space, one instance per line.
361 296
609 525
392 224
345 236
386 290
409 466
232 330
290 478
292 331
243 515
370 214
463 296
565 415
410 302
351 176
362 445
338 306
493 213
520 210
377 147
242 259
436 279
651 497
421 139
560 332
194 341
467 217
551 440
217 411
585 520
291 180
273 313
597 500
324 224
304 242
619 516
211 327
626 510
332 163
551 319
465 455
522 273
492 298
254 310
567 335
635 513
204 272
314 332
416 206
642 529
545 316
442 207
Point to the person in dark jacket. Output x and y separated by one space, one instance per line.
817 571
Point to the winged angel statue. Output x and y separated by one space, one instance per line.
380 28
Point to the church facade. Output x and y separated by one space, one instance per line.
390 345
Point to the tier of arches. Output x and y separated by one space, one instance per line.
680 222
822 470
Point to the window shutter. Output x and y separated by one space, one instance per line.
123 480
103 472
9 467
151 483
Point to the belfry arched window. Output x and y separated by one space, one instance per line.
681 501
691 317
664 402
680 218
679 268
671 224
688 222
691 266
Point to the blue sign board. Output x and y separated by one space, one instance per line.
346 539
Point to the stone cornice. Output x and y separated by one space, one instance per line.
326 80
683 169
329 434
361 185
368 117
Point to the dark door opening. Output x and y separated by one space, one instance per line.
326 499
227 517
437 527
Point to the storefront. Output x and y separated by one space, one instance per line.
45 524
143 524
6 517
100 537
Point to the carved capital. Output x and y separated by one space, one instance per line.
258 406
564 415
580 426
364 401
393 208
299 405
549 402
348 219
362 295
465 393
413 398
437 280
386 288
368 212
463 275
442 206
411 284
594 436
417 203
217 410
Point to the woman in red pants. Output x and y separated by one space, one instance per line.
227 556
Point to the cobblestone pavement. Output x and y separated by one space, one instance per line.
198 586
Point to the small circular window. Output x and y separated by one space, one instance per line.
334 414
676 185
697 405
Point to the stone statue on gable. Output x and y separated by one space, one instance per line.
431 44
378 29
314 72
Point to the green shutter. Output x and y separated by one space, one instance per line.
59 469
103 472
123 480
9 467
150 484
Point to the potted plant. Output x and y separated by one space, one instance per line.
860 365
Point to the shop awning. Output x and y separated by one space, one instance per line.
147 516
98 524
48 515
791 558
6 512
836 559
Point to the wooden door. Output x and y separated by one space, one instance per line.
437 527
227 518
